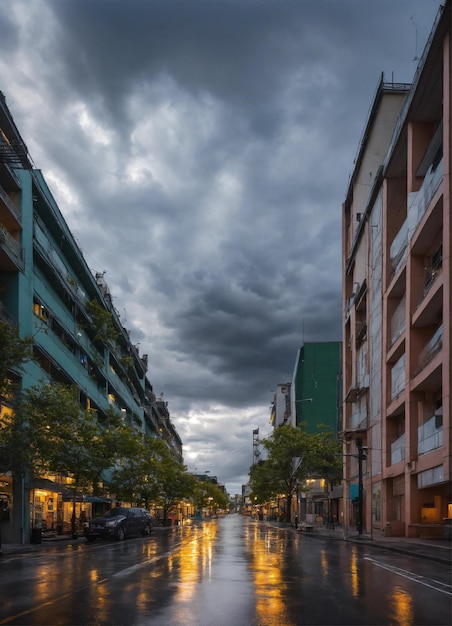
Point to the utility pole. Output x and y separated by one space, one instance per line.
361 457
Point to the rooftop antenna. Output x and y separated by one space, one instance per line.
416 58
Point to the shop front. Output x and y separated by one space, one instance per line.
6 506
6 497
51 508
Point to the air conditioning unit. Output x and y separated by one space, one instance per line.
411 466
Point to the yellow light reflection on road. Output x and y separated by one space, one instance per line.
100 595
194 560
268 580
324 563
401 607
354 572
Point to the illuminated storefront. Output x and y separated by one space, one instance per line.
52 503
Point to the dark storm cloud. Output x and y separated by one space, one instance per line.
200 152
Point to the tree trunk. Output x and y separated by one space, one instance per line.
73 529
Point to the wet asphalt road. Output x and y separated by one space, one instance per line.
228 572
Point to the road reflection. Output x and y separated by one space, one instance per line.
194 561
268 553
400 607
354 573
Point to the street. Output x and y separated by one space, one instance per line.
231 571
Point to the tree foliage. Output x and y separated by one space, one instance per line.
172 482
106 331
48 432
14 352
293 456
208 494
153 474
134 477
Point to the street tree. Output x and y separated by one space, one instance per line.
121 443
208 495
174 484
135 477
14 352
293 456
153 474
61 437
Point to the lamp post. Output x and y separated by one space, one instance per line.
361 456
296 463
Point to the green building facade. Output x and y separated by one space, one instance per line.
316 391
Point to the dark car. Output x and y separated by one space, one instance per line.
119 523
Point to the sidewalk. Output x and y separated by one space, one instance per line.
437 549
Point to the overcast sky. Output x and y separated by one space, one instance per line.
200 151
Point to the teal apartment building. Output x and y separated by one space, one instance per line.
48 291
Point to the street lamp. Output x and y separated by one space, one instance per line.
361 456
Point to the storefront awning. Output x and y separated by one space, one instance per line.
48 485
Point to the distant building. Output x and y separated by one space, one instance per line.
280 406
316 386
316 390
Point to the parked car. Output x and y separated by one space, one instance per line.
119 523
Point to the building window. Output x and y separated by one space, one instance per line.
40 311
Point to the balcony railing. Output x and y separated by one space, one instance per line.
398 450
4 197
398 378
431 349
398 320
12 246
418 201
358 420
398 251
429 436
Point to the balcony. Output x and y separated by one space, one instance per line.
433 275
54 266
358 420
11 253
431 349
5 316
398 320
398 378
398 450
430 435
419 201
430 305
356 390
9 213
399 246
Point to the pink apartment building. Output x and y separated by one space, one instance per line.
397 299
